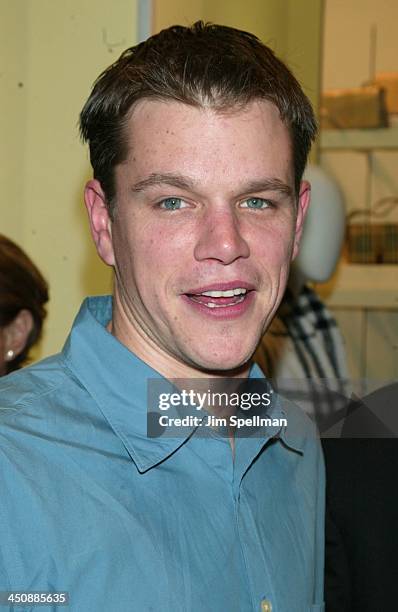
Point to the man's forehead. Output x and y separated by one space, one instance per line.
153 123
249 143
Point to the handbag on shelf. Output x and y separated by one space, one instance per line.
372 243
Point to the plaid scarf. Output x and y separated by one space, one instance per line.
303 354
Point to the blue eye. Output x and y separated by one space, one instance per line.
256 203
171 203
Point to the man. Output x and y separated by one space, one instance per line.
198 140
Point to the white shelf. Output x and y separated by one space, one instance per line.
359 140
362 286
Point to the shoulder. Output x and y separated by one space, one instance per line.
33 385
42 409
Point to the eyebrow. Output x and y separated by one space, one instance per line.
269 184
183 182
174 180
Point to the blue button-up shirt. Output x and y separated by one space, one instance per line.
123 522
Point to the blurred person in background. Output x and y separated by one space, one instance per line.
23 294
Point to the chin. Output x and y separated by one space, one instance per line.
227 363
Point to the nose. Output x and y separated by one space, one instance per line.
221 238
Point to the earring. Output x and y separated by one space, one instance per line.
10 355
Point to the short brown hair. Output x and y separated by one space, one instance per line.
21 287
202 65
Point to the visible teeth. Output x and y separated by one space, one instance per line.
229 293
213 305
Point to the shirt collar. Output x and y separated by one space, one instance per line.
292 434
118 384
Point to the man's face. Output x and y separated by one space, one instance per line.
205 227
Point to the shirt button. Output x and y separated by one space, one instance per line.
266 606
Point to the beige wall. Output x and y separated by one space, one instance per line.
169 12
50 53
13 68
292 28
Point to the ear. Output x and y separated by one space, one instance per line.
16 333
302 207
100 222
